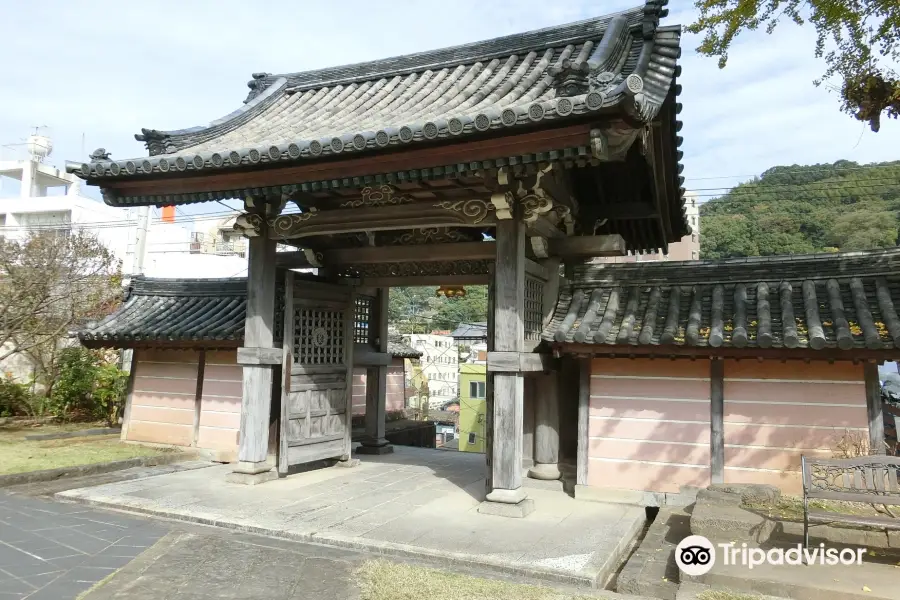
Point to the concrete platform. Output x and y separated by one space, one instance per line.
415 502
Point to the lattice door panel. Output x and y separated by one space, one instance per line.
319 336
315 416
534 308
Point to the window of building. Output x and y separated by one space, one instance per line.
695 255
476 389
472 438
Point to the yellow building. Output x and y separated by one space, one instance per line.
472 405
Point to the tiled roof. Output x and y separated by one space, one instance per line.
400 349
170 310
845 301
202 311
616 62
472 331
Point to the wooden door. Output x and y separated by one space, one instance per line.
317 366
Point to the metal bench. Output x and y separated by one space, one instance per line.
867 479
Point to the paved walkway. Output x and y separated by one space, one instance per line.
415 502
53 551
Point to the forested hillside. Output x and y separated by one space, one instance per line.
802 209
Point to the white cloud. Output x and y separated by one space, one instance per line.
105 73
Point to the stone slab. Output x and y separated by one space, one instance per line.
556 485
502 509
809 582
562 540
251 478
726 523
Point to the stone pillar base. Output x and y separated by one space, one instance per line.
367 449
506 496
545 471
251 478
504 509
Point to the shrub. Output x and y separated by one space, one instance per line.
89 386
15 398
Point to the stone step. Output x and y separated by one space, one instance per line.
867 581
695 591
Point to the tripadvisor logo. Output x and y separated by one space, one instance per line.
696 555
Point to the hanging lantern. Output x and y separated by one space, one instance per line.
451 291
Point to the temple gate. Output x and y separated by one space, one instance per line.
505 162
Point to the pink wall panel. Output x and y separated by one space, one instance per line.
632 387
646 432
161 403
644 476
160 433
770 424
649 425
220 405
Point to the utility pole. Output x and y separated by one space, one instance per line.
140 241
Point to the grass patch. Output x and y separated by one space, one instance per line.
385 580
725 595
18 455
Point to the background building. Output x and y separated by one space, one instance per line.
439 364
36 196
472 406
687 248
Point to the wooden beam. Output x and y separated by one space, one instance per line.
467 212
376 379
259 356
584 408
546 428
588 246
426 280
717 421
427 253
366 356
387 162
520 362
509 336
256 401
873 408
287 362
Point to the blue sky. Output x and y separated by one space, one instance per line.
102 72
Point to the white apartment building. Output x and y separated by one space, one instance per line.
440 365
36 195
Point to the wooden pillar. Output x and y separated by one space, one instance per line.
508 387
376 381
584 413
546 428
873 408
257 358
717 421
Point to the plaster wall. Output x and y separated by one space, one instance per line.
650 420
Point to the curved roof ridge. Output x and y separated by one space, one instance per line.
451 56
164 142
823 265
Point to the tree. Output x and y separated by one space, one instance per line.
51 283
859 40
803 209
420 310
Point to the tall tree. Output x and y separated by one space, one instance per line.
802 209
859 41
50 283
